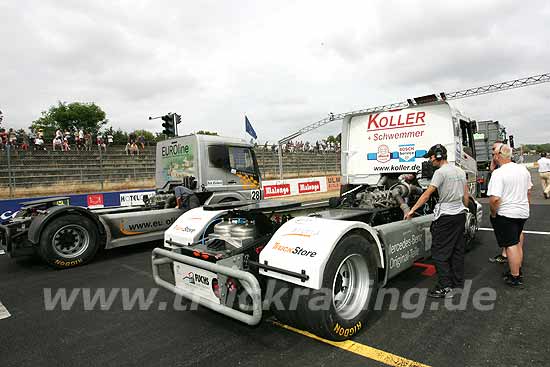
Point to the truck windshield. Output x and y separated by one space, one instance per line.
241 159
232 157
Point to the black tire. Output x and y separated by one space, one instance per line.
68 241
317 311
471 220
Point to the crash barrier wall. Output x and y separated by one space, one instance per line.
8 208
21 170
300 186
275 188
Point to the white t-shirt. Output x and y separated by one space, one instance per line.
510 183
544 164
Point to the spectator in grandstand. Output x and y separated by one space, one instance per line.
128 147
3 138
39 143
109 139
80 140
134 150
67 140
58 140
141 141
24 141
101 142
88 141
12 139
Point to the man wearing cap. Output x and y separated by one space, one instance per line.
448 223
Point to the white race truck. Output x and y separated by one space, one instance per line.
321 272
214 168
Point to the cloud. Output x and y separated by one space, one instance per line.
285 64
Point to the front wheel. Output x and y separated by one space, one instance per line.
69 241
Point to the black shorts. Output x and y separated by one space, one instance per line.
507 230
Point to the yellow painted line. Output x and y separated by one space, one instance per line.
360 349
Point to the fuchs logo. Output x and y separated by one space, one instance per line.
190 277
276 190
305 187
193 278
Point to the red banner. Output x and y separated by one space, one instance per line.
276 190
95 201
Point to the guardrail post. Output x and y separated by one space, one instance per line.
10 183
100 167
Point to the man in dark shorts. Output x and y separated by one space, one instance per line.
449 221
509 192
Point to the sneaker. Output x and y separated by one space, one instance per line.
499 259
513 281
441 292
507 274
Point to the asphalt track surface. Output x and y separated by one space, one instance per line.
513 333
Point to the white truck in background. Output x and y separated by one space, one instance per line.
328 265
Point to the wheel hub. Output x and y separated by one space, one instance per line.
351 286
70 241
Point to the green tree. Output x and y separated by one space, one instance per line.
73 116
205 132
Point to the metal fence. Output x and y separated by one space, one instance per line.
21 172
24 172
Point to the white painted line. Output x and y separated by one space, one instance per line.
4 313
528 232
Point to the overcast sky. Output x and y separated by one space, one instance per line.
285 64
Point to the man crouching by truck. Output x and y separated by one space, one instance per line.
449 221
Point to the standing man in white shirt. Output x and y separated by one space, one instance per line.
544 173
509 191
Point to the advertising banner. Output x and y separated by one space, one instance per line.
295 186
8 208
395 141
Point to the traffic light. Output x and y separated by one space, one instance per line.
511 139
168 125
178 119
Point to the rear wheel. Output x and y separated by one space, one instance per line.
340 308
69 241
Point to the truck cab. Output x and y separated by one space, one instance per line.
218 168
393 142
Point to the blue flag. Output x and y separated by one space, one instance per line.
249 129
